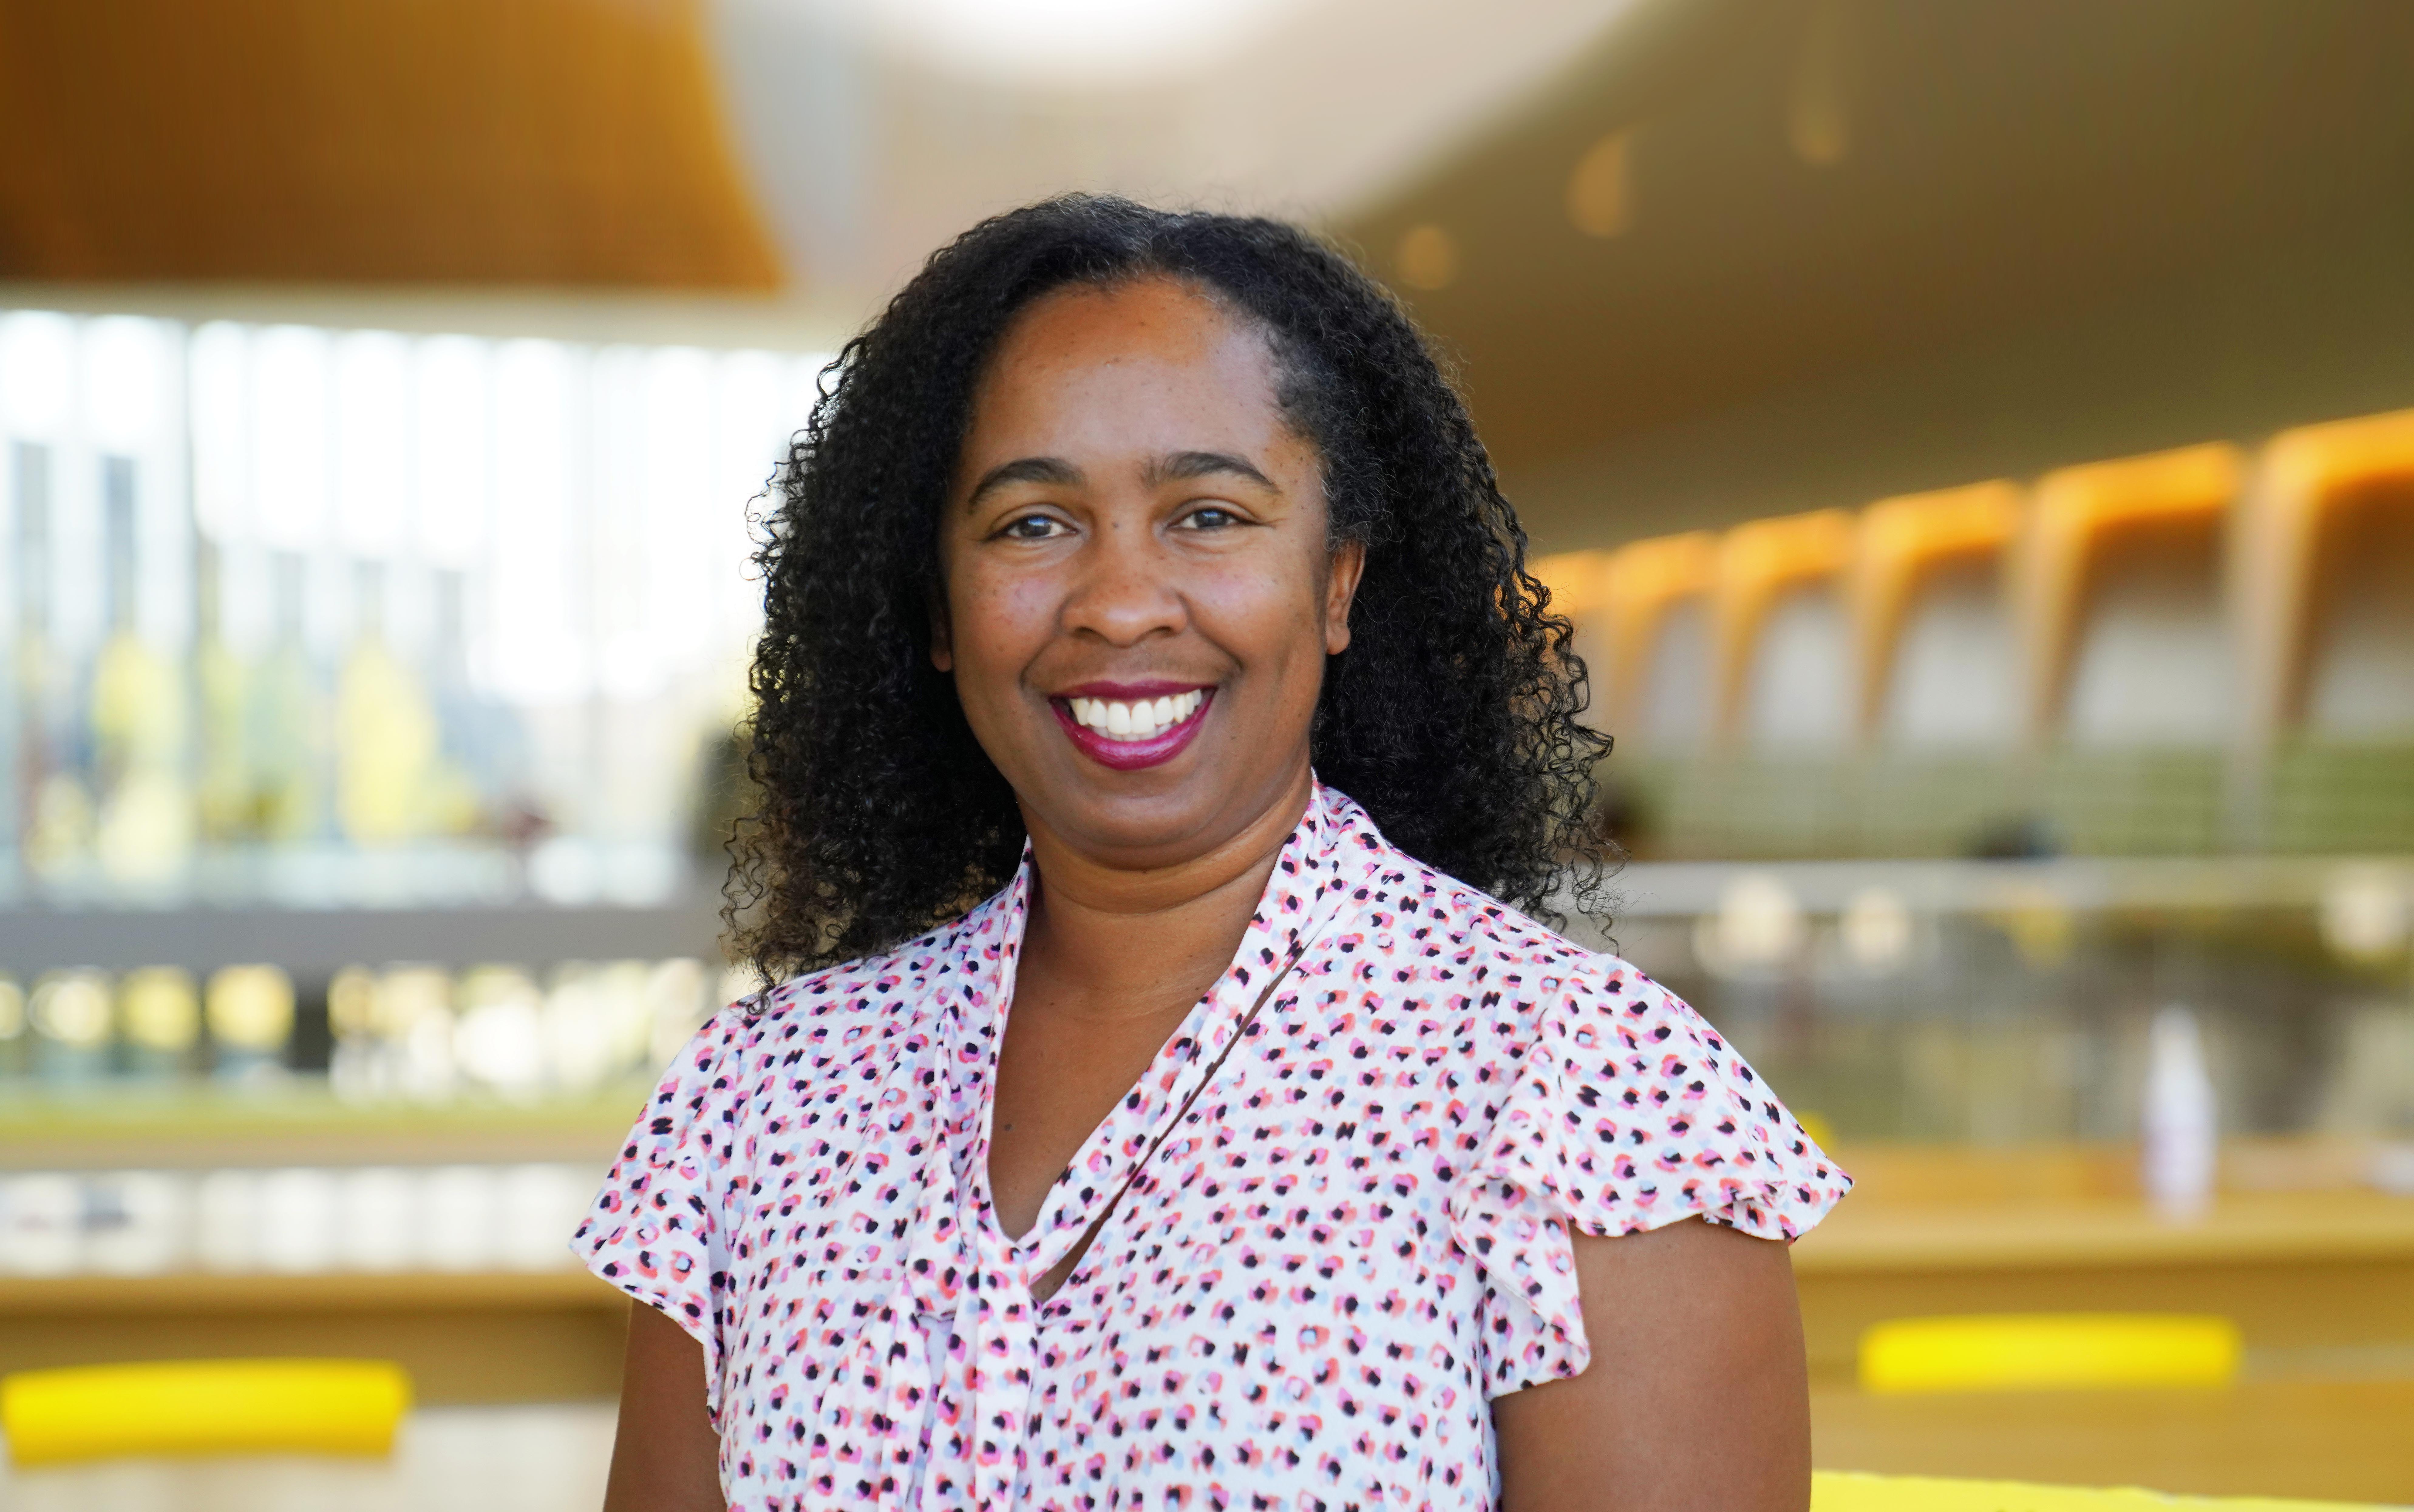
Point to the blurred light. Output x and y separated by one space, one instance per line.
290 472
501 1038
372 442
1817 124
128 398
139 1223
297 1220
1876 929
1427 258
218 365
450 476
1600 197
37 374
2391 1168
541 1206
676 998
12 1009
41 1224
1758 927
225 1220
71 1008
540 654
684 575
754 424
2039 924
579 1040
159 1010
565 870
251 1008
457 1218
1068 41
378 1216
351 1003
2364 913
416 1014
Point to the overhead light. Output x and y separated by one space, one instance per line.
2364 915
1427 258
1065 41
1818 121
1599 191
1876 929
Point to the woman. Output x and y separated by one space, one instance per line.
1158 735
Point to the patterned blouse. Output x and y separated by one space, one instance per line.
1336 1208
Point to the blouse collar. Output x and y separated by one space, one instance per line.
1330 849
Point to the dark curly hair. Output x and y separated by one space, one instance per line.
1452 718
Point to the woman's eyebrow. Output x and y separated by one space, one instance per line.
1180 464
1027 470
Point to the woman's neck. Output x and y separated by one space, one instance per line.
1115 943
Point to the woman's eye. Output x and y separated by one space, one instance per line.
1209 517
1031 527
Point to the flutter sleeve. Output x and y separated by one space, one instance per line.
1627 1112
659 1229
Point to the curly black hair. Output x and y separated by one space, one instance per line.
1452 718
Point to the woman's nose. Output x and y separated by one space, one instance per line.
1126 591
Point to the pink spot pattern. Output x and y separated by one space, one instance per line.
1353 1239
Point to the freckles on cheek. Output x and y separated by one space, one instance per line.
1003 622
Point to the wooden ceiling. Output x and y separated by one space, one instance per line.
367 141
1811 188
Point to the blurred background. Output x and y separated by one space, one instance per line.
1974 441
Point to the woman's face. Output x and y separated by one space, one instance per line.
1139 594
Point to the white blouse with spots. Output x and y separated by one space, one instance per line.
1310 1281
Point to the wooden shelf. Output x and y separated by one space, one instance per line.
300 1123
191 1292
2239 1228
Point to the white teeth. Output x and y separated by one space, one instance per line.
1140 719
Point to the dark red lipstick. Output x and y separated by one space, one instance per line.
1131 755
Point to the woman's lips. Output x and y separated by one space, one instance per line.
1131 752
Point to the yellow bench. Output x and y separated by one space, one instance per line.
2049 1352
189 1407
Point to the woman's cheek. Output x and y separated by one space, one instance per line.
1003 620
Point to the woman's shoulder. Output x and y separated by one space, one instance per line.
833 1019
1486 940
1526 986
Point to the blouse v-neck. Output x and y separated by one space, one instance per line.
1113 1151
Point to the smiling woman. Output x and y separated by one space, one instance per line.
1151 1122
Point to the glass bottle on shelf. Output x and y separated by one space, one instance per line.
386 732
159 1018
249 1010
225 796
288 719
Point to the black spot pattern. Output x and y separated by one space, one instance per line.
1355 1238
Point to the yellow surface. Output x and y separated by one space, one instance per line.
2270 1227
1843 1491
92 1412
2016 1352
353 141
1902 541
1758 562
2076 512
2310 479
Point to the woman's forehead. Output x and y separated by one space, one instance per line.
1155 320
